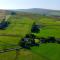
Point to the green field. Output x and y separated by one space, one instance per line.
21 26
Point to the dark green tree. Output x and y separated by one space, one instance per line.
25 43
13 13
51 39
43 40
35 28
32 36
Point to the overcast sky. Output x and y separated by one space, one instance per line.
25 4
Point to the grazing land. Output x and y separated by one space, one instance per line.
20 25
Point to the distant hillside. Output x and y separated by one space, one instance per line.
47 12
41 11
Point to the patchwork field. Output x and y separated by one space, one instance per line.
19 26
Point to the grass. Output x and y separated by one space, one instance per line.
21 26
50 51
50 27
8 56
23 55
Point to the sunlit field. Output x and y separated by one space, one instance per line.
19 27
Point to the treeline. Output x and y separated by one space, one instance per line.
31 40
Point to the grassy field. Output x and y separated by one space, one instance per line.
21 26
49 51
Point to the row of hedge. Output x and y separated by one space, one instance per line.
31 40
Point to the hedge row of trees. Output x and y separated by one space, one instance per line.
28 41
31 40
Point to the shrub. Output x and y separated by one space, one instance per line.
51 39
58 42
13 13
43 40
3 25
35 28
24 43
30 36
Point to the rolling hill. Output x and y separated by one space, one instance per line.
41 11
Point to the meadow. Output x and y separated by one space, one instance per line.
20 26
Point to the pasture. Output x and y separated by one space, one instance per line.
20 26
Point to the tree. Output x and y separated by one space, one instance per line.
28 41
43 40
35 28
35 42
25 43
3 25
30 36
58 42
13 13
51 39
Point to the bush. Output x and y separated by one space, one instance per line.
58 42
35 28
24 43
28 42
30 36
13 13
3 25
51 39
43 40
